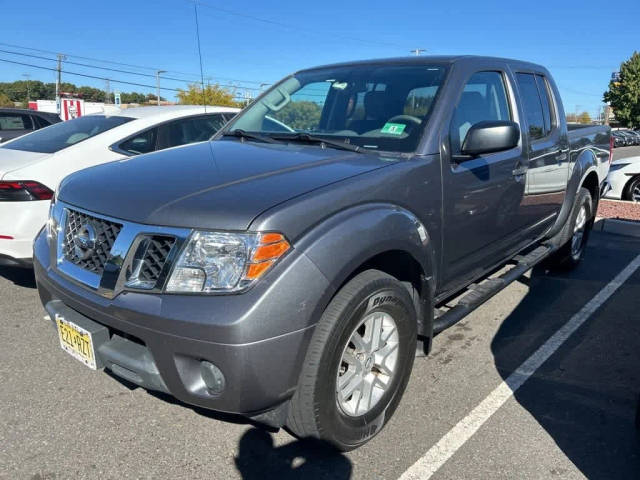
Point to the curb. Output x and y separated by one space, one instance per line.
617 227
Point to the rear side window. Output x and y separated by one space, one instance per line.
484 98
143 142
189 130
40 122
9 121
536 103
64 134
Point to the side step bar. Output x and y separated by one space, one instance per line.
477 294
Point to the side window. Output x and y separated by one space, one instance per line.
484 98
547 110
39 122
532 105
143 142
189 130
9 121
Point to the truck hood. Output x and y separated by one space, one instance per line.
218 185
15 159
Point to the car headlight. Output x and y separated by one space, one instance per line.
225 262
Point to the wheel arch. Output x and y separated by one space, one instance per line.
584 169
384 237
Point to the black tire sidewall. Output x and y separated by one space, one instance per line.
630 186
585 199
349 432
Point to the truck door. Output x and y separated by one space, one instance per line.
548 151
483 195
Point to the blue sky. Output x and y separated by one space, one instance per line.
255 42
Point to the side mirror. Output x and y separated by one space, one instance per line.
490 136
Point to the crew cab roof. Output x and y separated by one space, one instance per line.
432 59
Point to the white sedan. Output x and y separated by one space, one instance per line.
32 166
623 181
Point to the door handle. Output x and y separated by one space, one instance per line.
518 172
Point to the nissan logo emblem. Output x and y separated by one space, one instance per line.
84 241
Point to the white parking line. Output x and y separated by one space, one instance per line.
451 442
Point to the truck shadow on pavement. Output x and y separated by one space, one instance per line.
584 395
259 458
22 277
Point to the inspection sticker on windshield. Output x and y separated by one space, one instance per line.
393 128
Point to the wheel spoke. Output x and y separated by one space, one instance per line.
359 342
368 364
344 379
367 392
375 328
350 387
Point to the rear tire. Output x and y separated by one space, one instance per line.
632 190
575 233
358 363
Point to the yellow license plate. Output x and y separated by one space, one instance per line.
76 341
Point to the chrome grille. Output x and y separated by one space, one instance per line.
106 233
151 257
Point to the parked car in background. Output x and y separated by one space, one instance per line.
15 122
634 134
623 181
32 166
619 140
286 270
630 137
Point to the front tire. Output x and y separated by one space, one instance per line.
358 363
575 233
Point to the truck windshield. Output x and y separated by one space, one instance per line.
378 107
62 135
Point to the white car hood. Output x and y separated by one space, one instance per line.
11 160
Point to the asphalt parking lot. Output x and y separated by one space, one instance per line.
625 152
573 418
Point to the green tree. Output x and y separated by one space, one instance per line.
213 95
624 94
300 115
584 117
5 101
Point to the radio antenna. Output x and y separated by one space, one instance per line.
204 98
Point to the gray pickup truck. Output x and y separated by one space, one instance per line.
291 269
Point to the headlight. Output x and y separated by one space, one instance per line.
225 262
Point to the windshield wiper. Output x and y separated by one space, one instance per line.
306 138
238 132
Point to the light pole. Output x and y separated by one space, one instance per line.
27 76
158 72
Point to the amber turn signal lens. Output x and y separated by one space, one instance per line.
257 269
266 238
271 247
268 252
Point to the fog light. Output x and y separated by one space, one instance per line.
213 378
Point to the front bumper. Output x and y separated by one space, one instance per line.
257 339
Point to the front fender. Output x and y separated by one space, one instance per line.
343 242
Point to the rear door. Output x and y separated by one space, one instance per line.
547 148
483 194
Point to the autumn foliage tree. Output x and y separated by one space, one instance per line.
624 93
5 101
213 95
